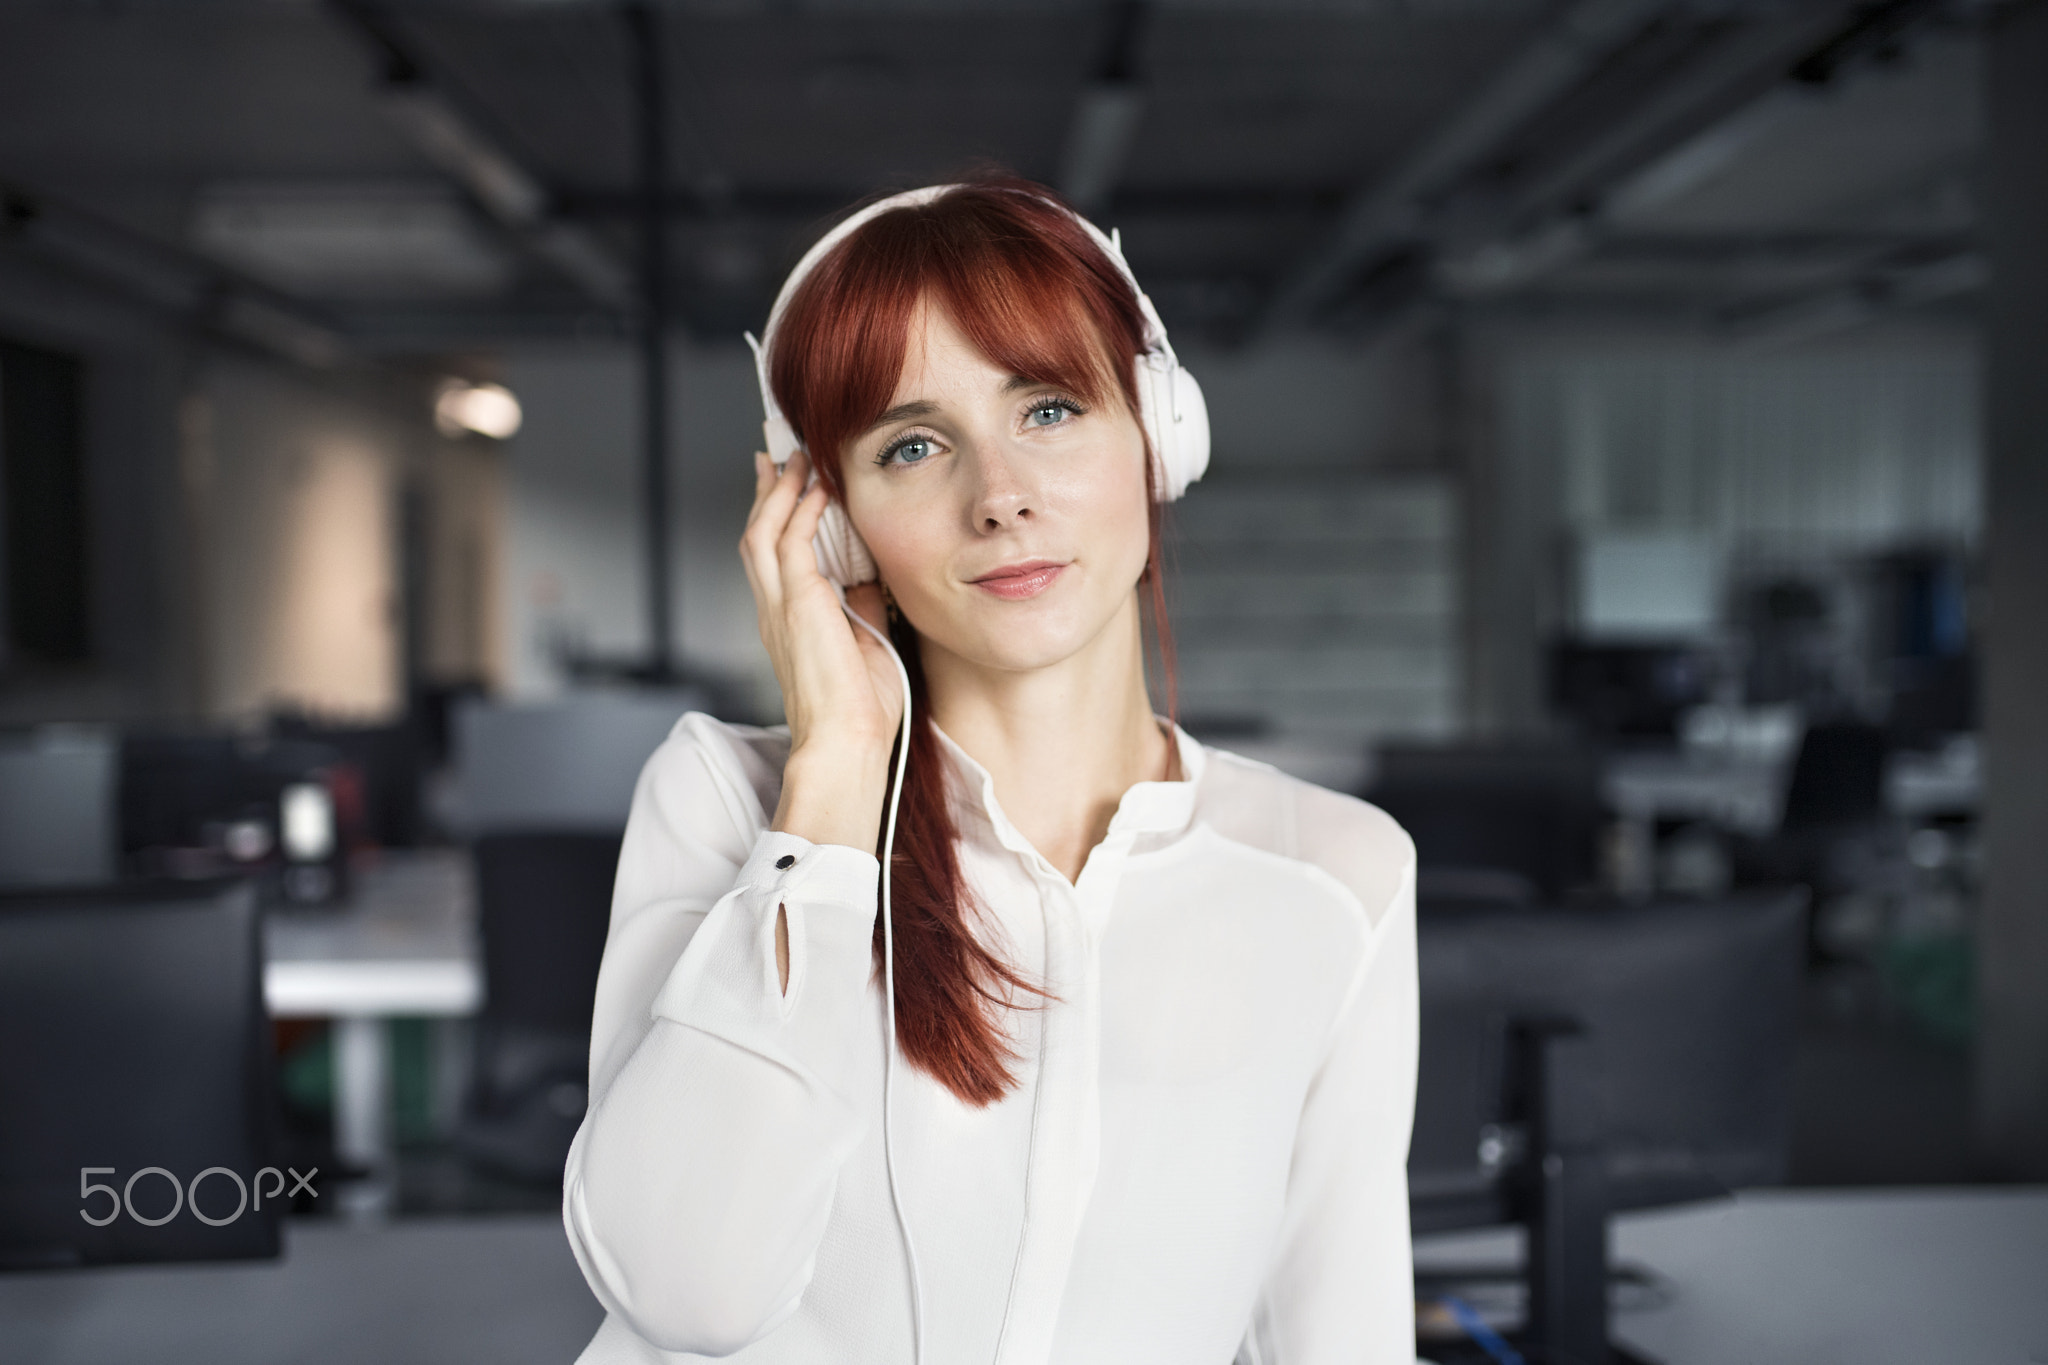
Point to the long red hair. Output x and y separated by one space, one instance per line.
1039 297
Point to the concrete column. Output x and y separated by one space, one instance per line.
2012 1049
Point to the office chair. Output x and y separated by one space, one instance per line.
135 1057
1834 808
542 791
1837 778
544 901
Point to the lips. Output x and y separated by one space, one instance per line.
1018 582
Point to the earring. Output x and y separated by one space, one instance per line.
889 606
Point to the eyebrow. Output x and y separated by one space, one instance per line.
924 407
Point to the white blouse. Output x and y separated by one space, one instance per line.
1203 1160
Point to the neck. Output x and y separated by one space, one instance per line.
1062 743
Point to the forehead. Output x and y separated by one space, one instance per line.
938 357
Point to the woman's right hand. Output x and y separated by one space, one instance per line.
840 690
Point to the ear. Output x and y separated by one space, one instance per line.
843 556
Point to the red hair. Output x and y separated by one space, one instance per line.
1039 297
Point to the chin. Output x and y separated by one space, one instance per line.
1001 636
1024 646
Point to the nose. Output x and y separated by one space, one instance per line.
1004 494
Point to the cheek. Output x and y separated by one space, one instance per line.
908 540
1109 498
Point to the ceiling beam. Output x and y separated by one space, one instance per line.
1858 302
1390 210
193 292
1695 125
799 204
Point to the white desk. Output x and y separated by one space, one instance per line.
499 1289
1737 794
1824 1277
1804 1277
404 945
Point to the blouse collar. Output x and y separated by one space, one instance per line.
1148 808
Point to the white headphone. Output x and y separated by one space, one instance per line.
1170 405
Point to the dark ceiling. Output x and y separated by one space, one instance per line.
1272 166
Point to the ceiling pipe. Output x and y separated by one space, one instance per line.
1106 115
1390 210
504 190
456 147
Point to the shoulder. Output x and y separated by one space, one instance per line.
1353 842
711 773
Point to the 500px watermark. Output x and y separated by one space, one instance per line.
187 1195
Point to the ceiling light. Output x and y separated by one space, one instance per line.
486 409
351 239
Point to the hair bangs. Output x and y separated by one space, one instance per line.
1021 279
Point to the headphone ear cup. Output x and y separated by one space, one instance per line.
1155 413
1176 421
1191 430
842 555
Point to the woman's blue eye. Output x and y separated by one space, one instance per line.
1048 414
909 452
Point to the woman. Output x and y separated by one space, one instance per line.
1155 1004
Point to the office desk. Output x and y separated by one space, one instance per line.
1822 1277
1738 794
404 945
1746 796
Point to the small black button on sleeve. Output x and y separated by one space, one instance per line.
786 860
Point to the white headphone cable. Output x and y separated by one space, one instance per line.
889 980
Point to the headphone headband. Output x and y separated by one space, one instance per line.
779 430
1170 406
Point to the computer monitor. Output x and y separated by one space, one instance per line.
1527 816
1628 692
135 1096
57 806
1640 1054
565 764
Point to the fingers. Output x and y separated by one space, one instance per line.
764 479
773 486
797 561
776 493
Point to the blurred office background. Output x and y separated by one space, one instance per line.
1630 466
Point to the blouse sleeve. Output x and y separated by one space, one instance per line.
1341 1287
700 1183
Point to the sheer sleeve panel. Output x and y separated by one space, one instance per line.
721 1109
